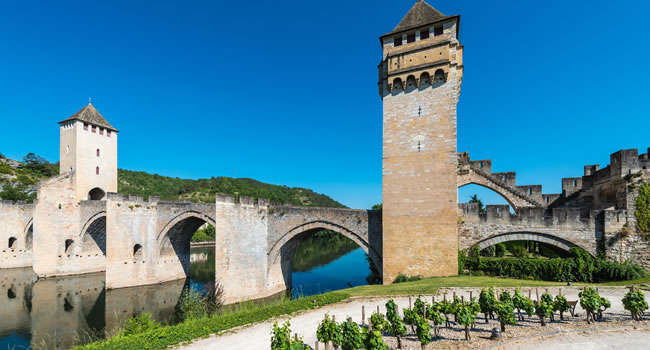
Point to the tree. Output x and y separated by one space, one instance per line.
396 327
500 250
377 206
475 199
521 302
635 303
561 304
488 303
329 331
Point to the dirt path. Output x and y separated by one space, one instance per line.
258 336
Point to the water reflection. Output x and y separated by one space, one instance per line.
67 311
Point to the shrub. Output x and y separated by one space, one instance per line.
139 324
488 303
351 336
591 302
474 259
281 338
466 315
405 278
422 330
548 299
521 302
543 310
561 305
192 305
395 327
462 257
488 251
635 303
329 331
500 250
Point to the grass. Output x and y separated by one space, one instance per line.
166 336
249 312
431 285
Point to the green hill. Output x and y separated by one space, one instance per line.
18 180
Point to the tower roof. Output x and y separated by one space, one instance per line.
419 15
90 115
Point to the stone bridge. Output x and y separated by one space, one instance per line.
141 242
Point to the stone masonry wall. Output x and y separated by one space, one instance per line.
15 222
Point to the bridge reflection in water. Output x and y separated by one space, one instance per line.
67 311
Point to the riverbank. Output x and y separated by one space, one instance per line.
369 296
207 244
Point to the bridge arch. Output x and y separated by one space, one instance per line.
283 249
528 236
494 189
174 238
93 235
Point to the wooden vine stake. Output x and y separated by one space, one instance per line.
363 315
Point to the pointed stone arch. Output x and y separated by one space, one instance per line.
529 236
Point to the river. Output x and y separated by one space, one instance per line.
63 312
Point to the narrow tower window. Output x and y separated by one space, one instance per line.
398 40
101 131
410 38
68 244
97 171
12 242
94 129
424 33
86 126
137 252
98 152
67 149
108 133
437 30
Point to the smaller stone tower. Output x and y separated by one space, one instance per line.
88 150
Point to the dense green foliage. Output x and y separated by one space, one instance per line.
281 338
505 310
204 190
163 337
351 335
580 267
329 331
488 303
139 324
395 325
489 251
422 330
521 302
204 235
377 206
642 212
372 336
18 182
561 305
401 278
593 303
634 302
192 305
499 250
544 310
466 315
475 199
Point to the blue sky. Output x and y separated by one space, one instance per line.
285 91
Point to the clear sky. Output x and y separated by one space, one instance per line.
285 91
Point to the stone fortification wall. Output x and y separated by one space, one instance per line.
16 234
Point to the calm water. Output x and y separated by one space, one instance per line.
60 311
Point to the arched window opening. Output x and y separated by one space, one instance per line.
97 171
137 252
68 245
67 305
410 82
439 76
425 79
98 152
12 242
11 293
96 194
397 84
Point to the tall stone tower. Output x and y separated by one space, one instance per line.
419 81
88 149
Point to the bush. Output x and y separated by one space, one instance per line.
192 305
405 278
281 338
462 257
488 252
500 250
581 267
635 303
139 324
